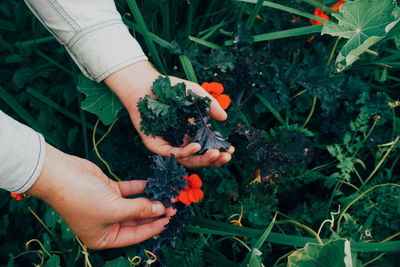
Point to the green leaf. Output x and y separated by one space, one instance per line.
254 257
100 100
66 232
53 261
363 23
335 253
51 217
118 262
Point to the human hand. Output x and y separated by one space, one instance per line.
134 82
94 206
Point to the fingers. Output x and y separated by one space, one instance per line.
132 235
129 209
212 157
134 187
186 151
216 111
135 222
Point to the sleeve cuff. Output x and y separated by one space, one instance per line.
22 155
104 48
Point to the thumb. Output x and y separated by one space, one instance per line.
216 111
129 209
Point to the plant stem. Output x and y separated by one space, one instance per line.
311 111
98 154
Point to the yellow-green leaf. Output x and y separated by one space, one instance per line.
363 23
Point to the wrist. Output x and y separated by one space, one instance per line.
132 83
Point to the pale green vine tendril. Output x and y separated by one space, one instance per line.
311 111
152 259
373 260
98 154
135 260
376 119
42 223
281 258
84 252
382 254
332 220
350 184
39 243
236 239
333 51
382 160
107 132
305 227
358 198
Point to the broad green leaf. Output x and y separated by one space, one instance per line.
335 253
363 23
53 261
118 262
51 217
66 232
100 100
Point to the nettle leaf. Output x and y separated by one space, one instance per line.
364 23
100 100
167 180
335 253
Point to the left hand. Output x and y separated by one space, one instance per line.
96 207
134 82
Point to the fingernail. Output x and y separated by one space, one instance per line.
157 208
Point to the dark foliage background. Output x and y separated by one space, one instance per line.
322 140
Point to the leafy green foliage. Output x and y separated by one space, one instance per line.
187 253
100 100
167 180
364 23
342 120
335 253
169 116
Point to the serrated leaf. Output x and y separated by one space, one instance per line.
364 23
100 100
207 138
167 180
335 253
158 108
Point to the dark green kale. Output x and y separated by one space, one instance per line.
207 138
170 115
279 151
167 180
164 185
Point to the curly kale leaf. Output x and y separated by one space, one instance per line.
169 116
282 153
167 180
173 231
205 136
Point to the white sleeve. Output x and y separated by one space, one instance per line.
22 152
93 33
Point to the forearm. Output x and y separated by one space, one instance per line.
92 32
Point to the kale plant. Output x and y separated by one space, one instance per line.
169 116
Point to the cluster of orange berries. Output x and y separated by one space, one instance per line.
321 14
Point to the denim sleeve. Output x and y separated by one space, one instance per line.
92 32
22 153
